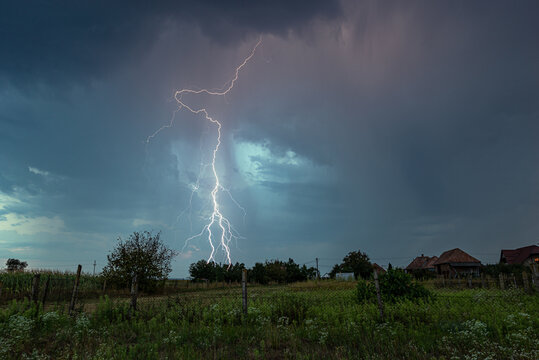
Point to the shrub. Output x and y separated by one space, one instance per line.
395 285
365 291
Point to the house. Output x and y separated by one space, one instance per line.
455 263
523 256
422 263
378 268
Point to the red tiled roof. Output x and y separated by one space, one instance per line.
430 263
422 262
378 268
518 256
455 256
418 263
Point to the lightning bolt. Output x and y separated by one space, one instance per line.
225 233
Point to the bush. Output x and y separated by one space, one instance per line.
365 291
395 285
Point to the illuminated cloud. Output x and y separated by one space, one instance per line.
38 171
26 225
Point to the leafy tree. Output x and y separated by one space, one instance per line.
233 272
211 271
359 263
309 273
258 274
203 270
334 271
143 254
293 272
15 265
276 271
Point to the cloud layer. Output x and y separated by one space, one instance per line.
396 128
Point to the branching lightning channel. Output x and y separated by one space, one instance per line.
225 233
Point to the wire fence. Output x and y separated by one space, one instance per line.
83 291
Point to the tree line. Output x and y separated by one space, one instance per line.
277 271
274 271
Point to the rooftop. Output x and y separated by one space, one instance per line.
456 256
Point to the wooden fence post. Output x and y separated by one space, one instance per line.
104 285
75 289
514 280
35 288
483 280
0 290
535 276
244 290
379 295
470 281
502 282
525 282
46 290
134 292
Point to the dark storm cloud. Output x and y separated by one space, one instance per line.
394 127
59 40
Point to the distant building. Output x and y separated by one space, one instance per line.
378 268
345 276
454 263
523 256
422 263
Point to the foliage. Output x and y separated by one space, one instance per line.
319 323
274 271
496 269
144 255
423 274
366 291
203 270
356 262
395 285
15 265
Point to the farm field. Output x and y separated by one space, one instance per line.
300 321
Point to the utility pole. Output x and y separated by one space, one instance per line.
94 267
317 271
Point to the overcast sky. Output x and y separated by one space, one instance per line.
398 128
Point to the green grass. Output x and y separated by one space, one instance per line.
295 322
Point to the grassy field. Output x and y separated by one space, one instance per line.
302 321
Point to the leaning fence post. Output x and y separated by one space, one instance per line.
502 283
35 288
378 295
134 291
46 290
244 289
75 289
